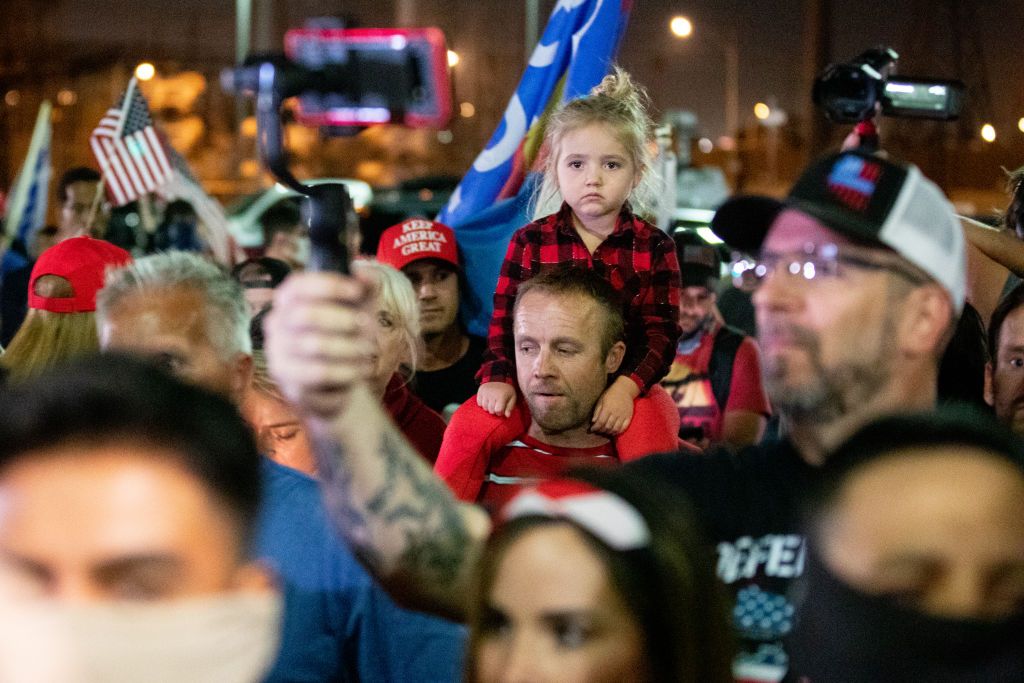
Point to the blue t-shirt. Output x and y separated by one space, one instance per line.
338 624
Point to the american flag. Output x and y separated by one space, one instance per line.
128 149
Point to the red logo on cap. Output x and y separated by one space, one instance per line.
853 180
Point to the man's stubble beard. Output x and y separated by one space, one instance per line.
559 421
832 393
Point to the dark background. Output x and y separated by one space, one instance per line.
89 47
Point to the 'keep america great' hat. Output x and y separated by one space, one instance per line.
867 198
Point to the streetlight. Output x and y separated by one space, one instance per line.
1020 124
762 111
683 28
453 57
988 133
145 71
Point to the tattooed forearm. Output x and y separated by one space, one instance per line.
400 520
421 506
347 516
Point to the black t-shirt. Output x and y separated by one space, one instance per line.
453 384
748 503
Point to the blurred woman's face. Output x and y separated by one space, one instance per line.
553 615
279 432
390 346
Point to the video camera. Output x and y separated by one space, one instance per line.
346 80
854 91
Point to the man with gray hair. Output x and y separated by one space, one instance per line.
189 316
185 314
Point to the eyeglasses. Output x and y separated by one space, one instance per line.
816 262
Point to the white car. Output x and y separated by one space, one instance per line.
244 217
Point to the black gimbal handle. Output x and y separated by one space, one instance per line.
329 206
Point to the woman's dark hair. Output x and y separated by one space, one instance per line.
669 586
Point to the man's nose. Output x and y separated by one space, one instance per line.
426 290
543 365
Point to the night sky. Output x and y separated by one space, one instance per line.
198 34
771 50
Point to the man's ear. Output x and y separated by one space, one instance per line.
926 326
613 360
990 394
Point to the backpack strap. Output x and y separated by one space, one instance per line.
723 354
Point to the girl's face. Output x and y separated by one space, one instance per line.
595 172
553 615
390 348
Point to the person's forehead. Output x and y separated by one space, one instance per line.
546 314
1011 333
136 493
792 230
928 482
81 190
550 567
427 266
593 139
155 315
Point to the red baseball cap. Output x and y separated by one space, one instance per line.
82 261
415 239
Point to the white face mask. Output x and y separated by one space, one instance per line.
230 639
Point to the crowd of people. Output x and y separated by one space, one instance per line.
266 473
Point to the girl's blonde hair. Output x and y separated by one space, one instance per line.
620 104
395 295
46 339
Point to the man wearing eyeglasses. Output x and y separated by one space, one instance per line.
859 274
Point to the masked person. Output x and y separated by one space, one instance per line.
188 315
915 569
130 500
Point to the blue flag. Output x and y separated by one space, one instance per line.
26 211
574 54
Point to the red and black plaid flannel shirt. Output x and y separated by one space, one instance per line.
638 259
